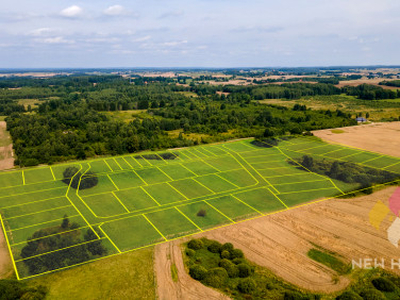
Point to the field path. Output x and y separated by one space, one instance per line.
5 260
6 150
185 287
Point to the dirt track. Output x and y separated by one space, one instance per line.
5 260
378 137
6 152
280 243
186 287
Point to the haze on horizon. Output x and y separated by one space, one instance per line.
198 33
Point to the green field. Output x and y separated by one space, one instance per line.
142 200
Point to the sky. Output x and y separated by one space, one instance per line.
198 33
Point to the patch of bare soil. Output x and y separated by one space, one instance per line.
185 287
374 81
5 260
378 137
6 152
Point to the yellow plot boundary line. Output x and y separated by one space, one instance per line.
119 200
159 232
111 241
52 173
256 210
117 163
112 181
188 219
111 169
23 177
41 223
148 194
127 162
205 201
38 212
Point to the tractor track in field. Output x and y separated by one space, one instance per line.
6 150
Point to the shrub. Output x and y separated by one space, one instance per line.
349 295
202 213
198 272
214 247
384 285
225 254
372 294
244 270
237 261
230 267
190 252
216 277
293 295
236 253
85 181
227 247
247 285
195 244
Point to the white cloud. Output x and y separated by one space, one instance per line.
175 43
115 10
56 40
41 32
142 39
73 11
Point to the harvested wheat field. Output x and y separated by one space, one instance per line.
280 242
6 151
378 137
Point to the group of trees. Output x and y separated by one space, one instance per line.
347 172
370 92
73 176
48 240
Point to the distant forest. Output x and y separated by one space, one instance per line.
70 119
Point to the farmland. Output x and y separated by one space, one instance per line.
149 198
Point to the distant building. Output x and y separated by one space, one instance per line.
361 120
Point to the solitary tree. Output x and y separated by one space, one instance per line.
65 222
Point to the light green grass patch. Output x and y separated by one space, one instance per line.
233 208
238 147
99 166
131 233
215 183
31 197
321 150
301 177
212 218
337 131
395 168
304 186
239 177
200 168
261 199
133 162
190 188
197 153
122 163
288 170
10 179
152 175
125 180
38 175
341 153
216 150
293 199
171 223
271 165
21 210
113 164
105 205
177 172
39 217
135 199
265 158
225 163
382 162
164 193
361 157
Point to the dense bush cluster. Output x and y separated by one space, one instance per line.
85 181
15 290
347 172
